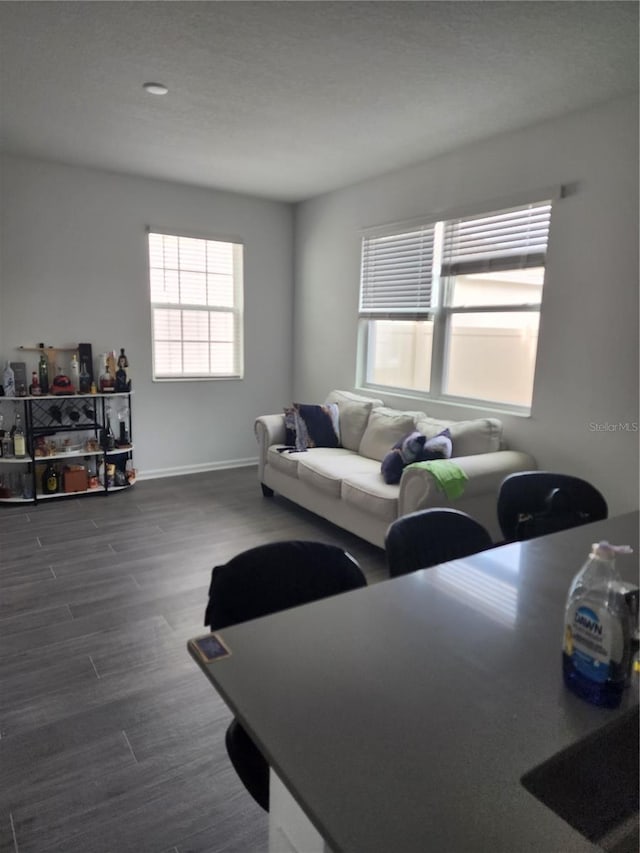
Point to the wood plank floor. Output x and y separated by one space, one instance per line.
111 739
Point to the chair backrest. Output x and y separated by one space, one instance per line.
533 503
427 537
277 576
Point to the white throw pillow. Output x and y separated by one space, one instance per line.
385 428
469 438
354 413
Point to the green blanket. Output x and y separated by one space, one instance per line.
449 477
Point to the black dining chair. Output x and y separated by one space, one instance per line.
265 580
534 503
427 537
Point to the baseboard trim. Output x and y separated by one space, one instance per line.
157 473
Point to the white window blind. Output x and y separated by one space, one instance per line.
505 239
397 274
196 304
451 309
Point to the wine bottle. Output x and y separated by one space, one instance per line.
43 373
19 442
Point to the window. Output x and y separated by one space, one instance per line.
196 289
451 308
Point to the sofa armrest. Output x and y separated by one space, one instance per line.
269 429
485 473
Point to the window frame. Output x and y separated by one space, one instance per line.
236 310
442 311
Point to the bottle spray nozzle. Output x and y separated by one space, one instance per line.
606 551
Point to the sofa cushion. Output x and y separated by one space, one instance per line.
324 468
468 438
431 426
354 415
284 461
370 494
386 427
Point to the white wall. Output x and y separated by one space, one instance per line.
73 268
587 372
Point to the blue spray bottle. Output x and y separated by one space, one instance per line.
597 636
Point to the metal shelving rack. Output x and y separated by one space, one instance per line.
85 417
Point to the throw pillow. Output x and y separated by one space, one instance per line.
290 426
439 446
384 428
312 426
354 416
406 450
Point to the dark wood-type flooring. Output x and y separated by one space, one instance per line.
111 739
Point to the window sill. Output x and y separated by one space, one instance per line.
413 397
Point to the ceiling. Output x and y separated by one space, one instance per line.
288 100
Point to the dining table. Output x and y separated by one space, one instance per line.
401 717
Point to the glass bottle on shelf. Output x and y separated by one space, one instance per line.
50 479
19 441
9 381
106 377
1 435
109 437
85 378
34 388
75 373
43 373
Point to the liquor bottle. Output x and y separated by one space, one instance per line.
34 388
75 373
43 373
19 442
85 378
1 433
106 377
50 480
9 381
109 437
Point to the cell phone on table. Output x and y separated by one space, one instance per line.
209 647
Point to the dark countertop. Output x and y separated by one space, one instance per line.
402 716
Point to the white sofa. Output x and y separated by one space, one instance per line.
345 484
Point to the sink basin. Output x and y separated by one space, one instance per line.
593 784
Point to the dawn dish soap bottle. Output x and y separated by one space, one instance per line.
597 641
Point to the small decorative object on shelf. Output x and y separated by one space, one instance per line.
62 385
20 377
